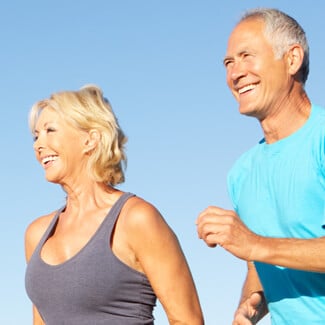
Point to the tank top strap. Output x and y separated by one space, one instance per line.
49 229
118 205
113 214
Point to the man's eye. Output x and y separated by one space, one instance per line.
227 63
246 55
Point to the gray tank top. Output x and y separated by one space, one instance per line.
94 286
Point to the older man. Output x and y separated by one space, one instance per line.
277 187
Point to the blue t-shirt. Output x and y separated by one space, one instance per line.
278 190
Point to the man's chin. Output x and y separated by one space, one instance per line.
244 110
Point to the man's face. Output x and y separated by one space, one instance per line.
258 81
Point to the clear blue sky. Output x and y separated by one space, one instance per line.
160 65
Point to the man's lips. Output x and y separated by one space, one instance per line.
246 88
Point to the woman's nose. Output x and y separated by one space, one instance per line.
38 146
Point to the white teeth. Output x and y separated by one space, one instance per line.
246 88
48 159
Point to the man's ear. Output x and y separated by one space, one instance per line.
295 57
91 141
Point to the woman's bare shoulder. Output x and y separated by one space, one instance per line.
140 215
35 231
139 210
40 224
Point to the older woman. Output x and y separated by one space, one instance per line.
106 255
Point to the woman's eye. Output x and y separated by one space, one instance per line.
48 130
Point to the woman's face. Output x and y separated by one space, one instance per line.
60 148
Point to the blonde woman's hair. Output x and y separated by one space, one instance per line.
87 110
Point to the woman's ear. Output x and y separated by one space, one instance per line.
295 57
91 141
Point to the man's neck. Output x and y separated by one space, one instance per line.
291 116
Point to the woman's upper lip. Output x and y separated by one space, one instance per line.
47 158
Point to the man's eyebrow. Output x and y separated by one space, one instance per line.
226 58
239 54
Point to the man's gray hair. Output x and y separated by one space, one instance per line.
282 31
